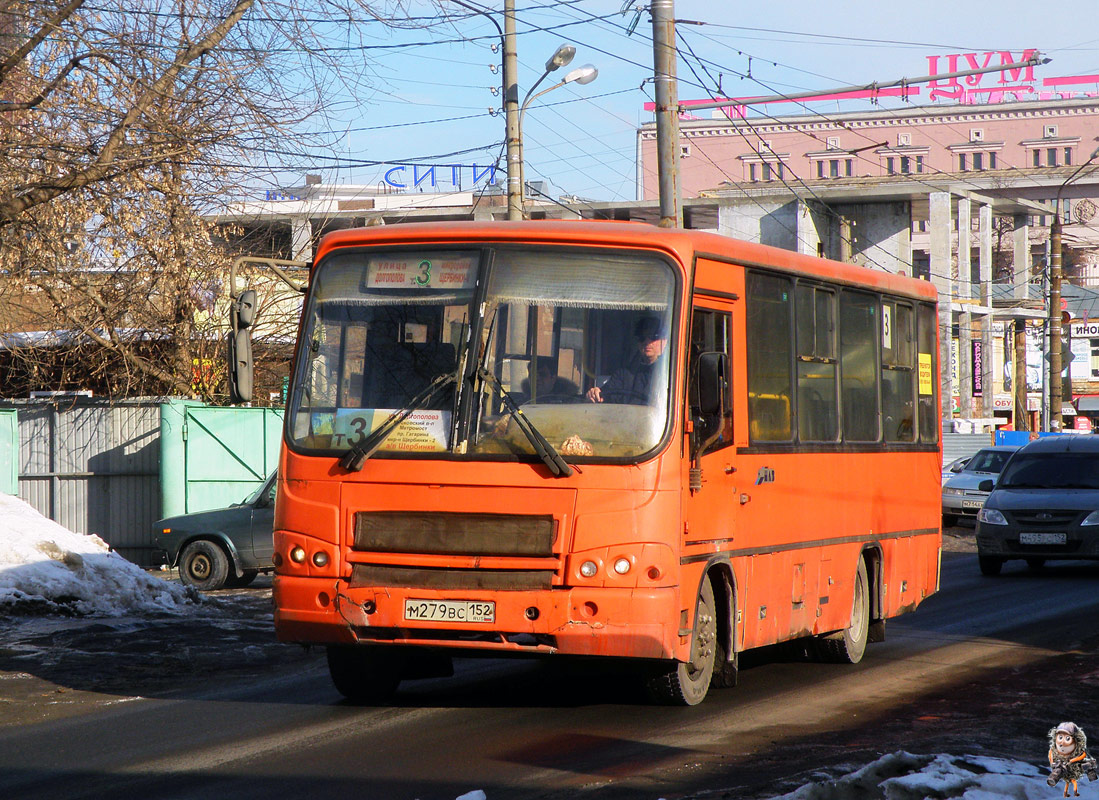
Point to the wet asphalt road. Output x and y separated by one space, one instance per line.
211 707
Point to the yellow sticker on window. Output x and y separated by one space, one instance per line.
927 379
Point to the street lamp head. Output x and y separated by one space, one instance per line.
561 57
582 75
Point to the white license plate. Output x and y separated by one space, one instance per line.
972 503
449 610
1042 538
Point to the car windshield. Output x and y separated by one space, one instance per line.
988 461
1051 471
383 325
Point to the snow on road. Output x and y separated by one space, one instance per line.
46 568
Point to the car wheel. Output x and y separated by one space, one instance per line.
203 565
949 520
1035 563
686 684
849 645
990 565
364 675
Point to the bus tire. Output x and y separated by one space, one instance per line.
204 565
849 645
686 684
364 675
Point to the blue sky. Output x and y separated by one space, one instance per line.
429 91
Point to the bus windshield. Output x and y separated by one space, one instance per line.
576 339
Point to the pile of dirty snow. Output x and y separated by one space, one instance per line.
45 568
904 776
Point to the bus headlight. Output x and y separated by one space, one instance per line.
622 566
588 569
297 554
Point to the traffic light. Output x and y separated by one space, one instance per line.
243 313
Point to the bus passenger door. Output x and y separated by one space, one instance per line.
710 498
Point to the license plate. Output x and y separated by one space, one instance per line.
972 503
449 610
1042 538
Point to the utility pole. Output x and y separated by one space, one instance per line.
667 112
1018 377
511 115
1056 421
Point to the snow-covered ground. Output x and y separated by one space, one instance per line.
904 776
46 568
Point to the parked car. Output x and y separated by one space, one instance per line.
1045 505
954 467
962 495
225 547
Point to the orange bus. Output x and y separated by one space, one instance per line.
601 439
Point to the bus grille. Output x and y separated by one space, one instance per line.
433 534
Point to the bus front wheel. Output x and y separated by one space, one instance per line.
686 684
847 646
364 675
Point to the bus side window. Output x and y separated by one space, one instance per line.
769 343
710 333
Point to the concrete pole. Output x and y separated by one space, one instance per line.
965 320
511 115
667 112
939 204
1055 419
984 270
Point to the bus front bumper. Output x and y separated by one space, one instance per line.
589 621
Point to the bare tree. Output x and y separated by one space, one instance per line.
122 121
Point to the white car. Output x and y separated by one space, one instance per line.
962 497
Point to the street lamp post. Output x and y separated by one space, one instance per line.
581 75
1056 420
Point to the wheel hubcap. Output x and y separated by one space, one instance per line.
200 567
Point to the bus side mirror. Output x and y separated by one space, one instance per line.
713 370
243 314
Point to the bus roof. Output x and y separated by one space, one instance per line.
681 244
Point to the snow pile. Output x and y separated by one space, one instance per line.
45 568
904 776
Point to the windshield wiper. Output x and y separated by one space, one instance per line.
546 451
354 458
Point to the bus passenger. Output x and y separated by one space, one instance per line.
634 384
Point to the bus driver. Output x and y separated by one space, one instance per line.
634 384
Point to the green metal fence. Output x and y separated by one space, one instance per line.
9 451
214 456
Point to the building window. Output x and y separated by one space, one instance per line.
906 165
904 139
1049 132
976 135
684 151
1051 157
778 170
919 163
820 169
992 161
1068 156
889 165
849 167
962 165
1037 158
834 168
752 172
979 161
766 171
833 142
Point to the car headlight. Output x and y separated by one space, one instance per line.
1091 519
953 491
991 516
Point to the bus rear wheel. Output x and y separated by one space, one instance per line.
364 675
849 645
686 684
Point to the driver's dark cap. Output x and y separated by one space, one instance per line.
648 328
